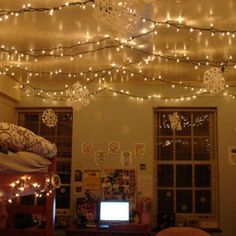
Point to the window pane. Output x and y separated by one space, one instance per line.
183 176
64 128
200 123
47 131
203 201
165 201
184 201
165 149
202 176
183 149
63 197
31 122
164 125
64 116
165 176
201 149
185 121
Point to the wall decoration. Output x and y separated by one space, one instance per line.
87 149
126 158
78 183
142 166
113 148
119 184
92 180
214 80
78 96
49 118
125 129
100 157
139 149
232 155
175 121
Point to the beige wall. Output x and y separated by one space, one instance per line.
7 110
9 96
102 122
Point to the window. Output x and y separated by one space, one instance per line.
61 135
186 165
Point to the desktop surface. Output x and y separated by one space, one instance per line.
112 230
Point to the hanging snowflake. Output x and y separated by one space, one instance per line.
214 80
175 121
78 96
49 118
115 13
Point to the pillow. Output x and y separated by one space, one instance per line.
16 138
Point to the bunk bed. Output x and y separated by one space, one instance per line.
27 166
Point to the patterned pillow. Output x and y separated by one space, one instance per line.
16 138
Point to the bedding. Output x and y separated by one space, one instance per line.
16 138
23 162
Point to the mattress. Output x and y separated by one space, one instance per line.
23 162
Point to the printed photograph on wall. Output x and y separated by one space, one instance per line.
78 184
92 180
87 149
232 155
113 148
100 157
142 167
139 149
126 158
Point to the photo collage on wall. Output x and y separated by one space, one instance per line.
107 184
119 184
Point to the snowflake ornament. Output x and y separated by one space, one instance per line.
115 12
214 80
49 118
78 96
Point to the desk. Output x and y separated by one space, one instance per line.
113 230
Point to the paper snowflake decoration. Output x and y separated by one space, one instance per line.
214 80
49 118
115 12
77 96
175 121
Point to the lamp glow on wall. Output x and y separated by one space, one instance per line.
78 96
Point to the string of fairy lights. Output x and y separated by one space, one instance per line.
60 94
102 75
179 25
24 183
58 52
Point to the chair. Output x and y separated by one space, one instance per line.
182 231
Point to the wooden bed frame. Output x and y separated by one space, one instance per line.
47 211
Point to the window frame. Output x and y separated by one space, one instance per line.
204 220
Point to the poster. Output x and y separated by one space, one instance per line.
126 158
87 149
113 148
139 149
100 157
91 180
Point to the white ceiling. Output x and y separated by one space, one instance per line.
97 41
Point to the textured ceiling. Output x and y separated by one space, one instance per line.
54 42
